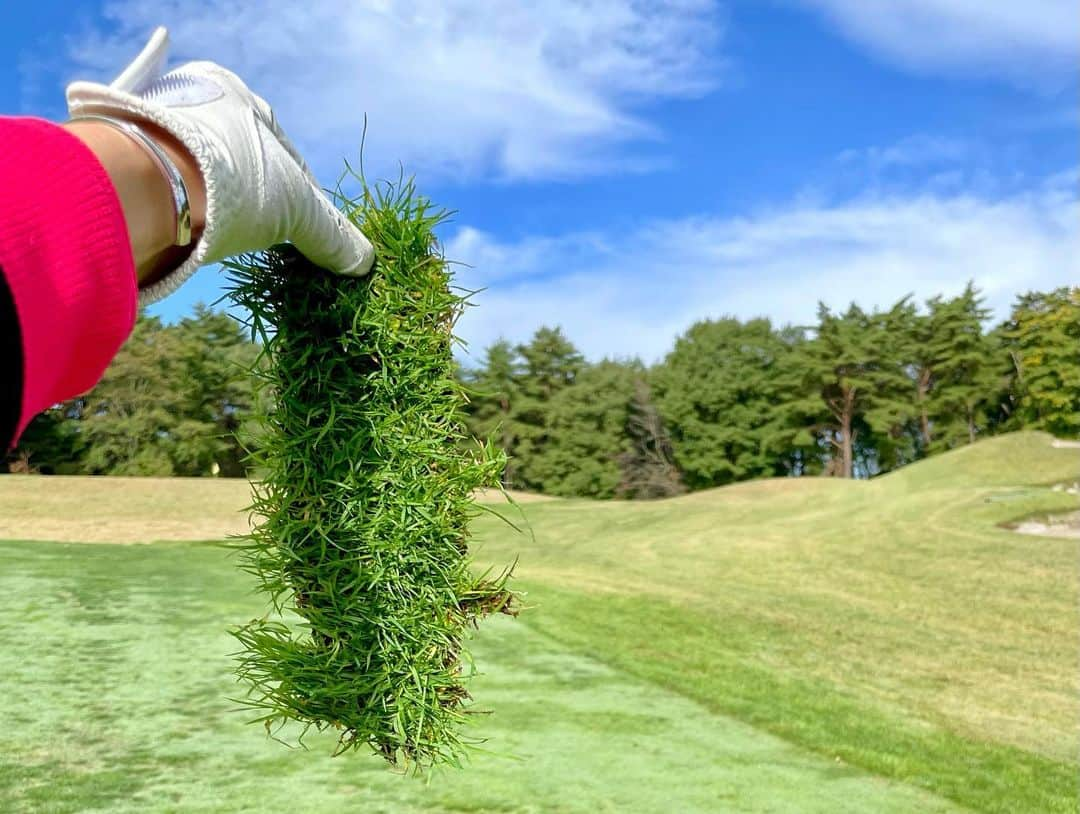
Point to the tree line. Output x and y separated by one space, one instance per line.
175 401
855 394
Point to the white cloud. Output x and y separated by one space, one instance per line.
508 88
914 151
1033 41
631 294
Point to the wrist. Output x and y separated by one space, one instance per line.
146 194
189 168
143 192
172 256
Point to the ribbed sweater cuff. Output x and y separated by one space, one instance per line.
65 253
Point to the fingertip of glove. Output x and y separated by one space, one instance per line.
361 267
361 251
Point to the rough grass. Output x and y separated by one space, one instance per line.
122 510
775 646
138 510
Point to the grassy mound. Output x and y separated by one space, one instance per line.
367 492
1026 457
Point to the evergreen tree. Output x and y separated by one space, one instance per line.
1000 411
129 418
957 377
1043 340
718 392
172 402
586 432
217 395
494 389
889 430
851 389
551 364
861 393
50 444
926 332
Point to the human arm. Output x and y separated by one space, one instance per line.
85 225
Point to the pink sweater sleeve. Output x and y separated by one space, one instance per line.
66 258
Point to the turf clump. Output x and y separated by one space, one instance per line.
365 494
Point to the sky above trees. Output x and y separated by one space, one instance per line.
627 168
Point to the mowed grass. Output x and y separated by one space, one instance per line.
892 625
781 646
116 684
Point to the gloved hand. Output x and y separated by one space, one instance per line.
259 191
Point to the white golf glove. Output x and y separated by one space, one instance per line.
259 191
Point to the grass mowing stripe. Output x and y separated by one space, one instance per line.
116 672
675 647
367 492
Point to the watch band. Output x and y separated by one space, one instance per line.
181 202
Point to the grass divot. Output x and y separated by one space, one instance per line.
367 484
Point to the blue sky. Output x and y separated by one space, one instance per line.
624 167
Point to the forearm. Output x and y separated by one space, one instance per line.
67 264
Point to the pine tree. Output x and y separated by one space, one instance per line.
1000 410
494 389
50 444
551 364
1043 338
851 389
890 438
956 360
129 419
